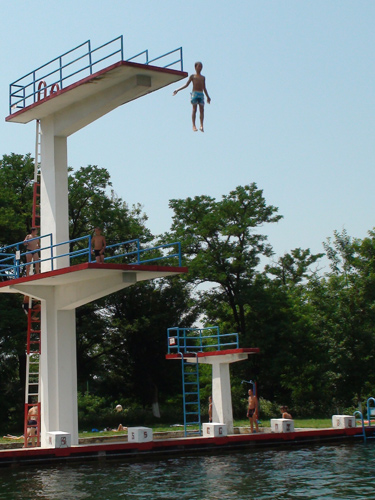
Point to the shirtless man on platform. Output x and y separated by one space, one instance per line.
32 250
252 411
32 420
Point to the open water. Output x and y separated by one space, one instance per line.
339 472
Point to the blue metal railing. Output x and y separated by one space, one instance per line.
138 252
83 61
12 258
185 340
370 411
363 423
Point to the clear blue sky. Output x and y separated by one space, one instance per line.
292 88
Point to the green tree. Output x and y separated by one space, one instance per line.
121 339
345 308
221 245
16 197
93 203
293 267
16 193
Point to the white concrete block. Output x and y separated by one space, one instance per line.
282 425
58 439
214 430
343 421
139 434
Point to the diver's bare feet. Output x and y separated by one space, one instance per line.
201 128
195 128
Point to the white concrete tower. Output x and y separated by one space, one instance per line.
63 108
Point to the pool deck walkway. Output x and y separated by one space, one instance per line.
117 447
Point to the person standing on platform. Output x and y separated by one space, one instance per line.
252 411
197 95
99 244
32 245
32 425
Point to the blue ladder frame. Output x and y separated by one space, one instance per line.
191 396
188 342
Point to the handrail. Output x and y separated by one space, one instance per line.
168 54
363 423
138 252
13 270
11 256
25 91
61 65
183 340
369 410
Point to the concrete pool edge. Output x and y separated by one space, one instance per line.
179 446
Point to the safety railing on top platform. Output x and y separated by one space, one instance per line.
13 261
185 340
74 65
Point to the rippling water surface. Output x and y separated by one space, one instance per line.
330 472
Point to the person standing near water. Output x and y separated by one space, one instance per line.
252 411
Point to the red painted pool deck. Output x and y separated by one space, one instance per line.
173 447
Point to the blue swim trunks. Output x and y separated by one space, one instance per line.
197 98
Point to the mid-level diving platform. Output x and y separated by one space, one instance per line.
82 283
61 291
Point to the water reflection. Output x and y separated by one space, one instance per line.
329 472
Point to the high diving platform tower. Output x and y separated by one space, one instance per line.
66 95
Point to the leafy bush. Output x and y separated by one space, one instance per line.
268 409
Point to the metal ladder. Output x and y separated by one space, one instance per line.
36 187
33 346
32 389
191 397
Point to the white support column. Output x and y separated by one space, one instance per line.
221 395
221 389
58 366
54 193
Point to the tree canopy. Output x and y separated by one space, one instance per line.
221 243
314 328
